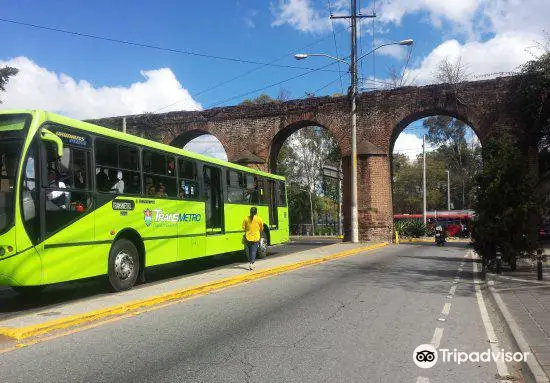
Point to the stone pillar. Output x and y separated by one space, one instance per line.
375 198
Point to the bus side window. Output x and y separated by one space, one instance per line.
281 194
188 180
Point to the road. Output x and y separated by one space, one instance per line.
12 304
356 319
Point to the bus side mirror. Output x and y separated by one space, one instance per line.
46 135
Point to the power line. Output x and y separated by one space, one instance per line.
325 86
335 46
409 54
156 47
269 86
361 43
247 72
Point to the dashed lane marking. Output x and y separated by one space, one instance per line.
489 330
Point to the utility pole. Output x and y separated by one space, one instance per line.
340 200
353 95
449 191
123 124
424 177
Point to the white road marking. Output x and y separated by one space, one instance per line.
453 289
446 309
436 339
422 379
489 330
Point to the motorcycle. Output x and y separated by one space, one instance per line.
439 238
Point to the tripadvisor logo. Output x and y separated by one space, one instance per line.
426 356
157 215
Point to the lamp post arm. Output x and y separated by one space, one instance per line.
329 56
381 46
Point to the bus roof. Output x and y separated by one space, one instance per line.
78 124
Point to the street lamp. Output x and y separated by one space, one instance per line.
353 95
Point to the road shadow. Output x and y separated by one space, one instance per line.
13 304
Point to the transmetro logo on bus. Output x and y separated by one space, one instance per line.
157 215
148 216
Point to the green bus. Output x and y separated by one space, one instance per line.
78 200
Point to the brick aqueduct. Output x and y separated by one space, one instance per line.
254 134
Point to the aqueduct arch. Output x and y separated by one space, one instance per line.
282 135
252 134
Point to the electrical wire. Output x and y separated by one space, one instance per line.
335 45
269 86
245 73
150 46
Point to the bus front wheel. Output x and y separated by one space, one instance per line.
123 265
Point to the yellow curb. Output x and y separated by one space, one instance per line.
430 240
19 333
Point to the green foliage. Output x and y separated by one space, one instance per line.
300 160
415 228
5 74
260 100
506 206
407 180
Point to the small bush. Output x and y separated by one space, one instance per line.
414 228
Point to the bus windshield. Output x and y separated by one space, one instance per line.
11 143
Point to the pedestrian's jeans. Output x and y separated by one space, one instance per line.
250 249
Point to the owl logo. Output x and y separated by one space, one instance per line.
148 216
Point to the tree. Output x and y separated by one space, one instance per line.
505 219
461 159
454 73
5 74
407 183
260 100
284 95
301 159
533 103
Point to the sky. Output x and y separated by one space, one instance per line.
221 52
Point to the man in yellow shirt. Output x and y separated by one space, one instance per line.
253 227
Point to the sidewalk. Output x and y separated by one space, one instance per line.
525 305
76 313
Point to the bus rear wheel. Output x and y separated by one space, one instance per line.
123 265
262 247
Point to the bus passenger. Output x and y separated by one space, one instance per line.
118 187
253 226
162 191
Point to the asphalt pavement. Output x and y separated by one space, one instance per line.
356 319
12 304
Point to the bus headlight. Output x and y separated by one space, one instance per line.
2 251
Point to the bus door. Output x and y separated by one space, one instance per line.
212 177
273 216
67 224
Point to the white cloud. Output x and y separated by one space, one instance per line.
457 11
528 16
503 53
409 144
300 15
36 87
207 145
